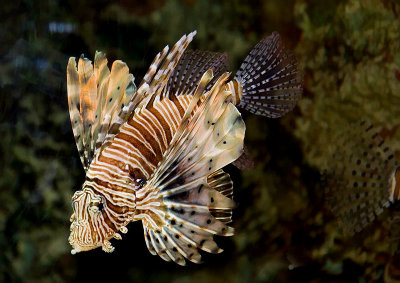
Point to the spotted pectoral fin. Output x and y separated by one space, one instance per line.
190 219
192 66
359 177
270 78
187 200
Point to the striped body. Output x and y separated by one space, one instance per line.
124 166
139 146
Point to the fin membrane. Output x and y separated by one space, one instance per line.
270 78
359 178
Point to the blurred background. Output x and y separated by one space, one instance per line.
349 52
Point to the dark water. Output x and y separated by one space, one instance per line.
351 63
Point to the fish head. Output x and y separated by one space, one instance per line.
88 229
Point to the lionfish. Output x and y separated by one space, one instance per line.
363 178
155 153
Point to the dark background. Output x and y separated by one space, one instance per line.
349 52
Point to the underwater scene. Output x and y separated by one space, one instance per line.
200 141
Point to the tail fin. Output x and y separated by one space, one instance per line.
360 177
270 78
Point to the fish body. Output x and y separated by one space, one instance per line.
155 153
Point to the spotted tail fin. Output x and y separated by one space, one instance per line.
270 79
187 199
359 182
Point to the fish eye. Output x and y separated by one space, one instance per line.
96 204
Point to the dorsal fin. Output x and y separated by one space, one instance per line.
192 66
161 76
95 97
152 87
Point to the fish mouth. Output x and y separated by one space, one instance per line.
80 246
77 246
77 242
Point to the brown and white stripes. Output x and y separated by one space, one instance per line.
124 166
